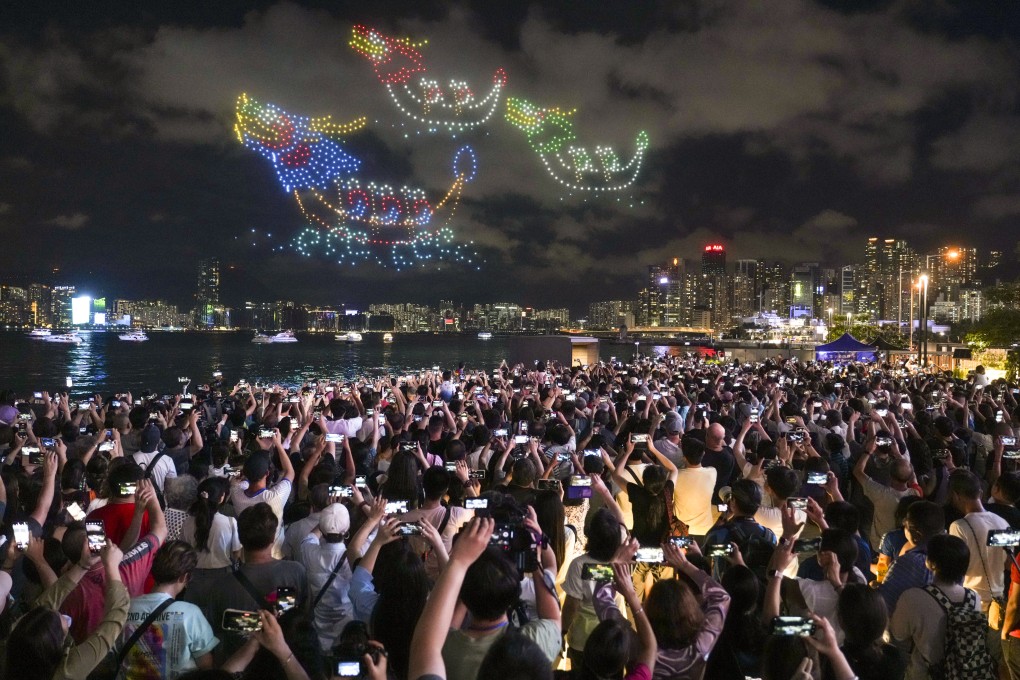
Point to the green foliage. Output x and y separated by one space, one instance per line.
1013 366
999 327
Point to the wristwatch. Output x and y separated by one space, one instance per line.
773 573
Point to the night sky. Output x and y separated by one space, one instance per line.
785 130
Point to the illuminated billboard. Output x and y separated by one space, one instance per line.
81 308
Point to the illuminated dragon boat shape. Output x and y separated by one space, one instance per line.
400 66
550 132
351 219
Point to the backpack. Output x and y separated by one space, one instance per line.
757 544
966 655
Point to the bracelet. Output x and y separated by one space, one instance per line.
287 660
639 610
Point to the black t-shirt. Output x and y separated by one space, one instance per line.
649 527
725 465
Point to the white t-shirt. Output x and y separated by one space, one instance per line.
223 541
885 500
692 499
164 467
976 537
276 496
171 644
296 533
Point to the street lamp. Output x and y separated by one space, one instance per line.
828 328
923 314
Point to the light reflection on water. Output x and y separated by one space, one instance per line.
104 363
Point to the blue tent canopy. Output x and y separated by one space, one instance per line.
845 348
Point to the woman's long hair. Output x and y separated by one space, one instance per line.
212 493
549 509
403 588
35 647
402 481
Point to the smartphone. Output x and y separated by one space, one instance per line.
241 621
186 405
286 598
753 418
1004 538
48 442
718 550
127 489
476 474
115 403
807 545
548 485
234 436
450 466
597 572
437 403
521 439
33 453
341 491
217 374
266 433
396 507
476 503
649 555
682 541
639 438
793 626
347 668
722 507
96 536
37 395
361 481
501 432
1008 441
791 420
797 503
76 513
883 441
21 535
818 478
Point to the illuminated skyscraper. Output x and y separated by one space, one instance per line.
713 260
207 296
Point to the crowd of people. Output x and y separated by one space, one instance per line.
669 518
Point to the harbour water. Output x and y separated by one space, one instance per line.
103 363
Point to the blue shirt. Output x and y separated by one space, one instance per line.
909 571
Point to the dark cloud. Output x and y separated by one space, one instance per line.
787 130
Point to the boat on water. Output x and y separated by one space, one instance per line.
284 336
485 335
134 336
279 338
40 333
387 337
352 336
64 338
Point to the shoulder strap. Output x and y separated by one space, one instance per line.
152 464
260 599
446 520
329 581
633 475
939 597
140 630
980 552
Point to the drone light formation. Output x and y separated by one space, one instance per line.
400 67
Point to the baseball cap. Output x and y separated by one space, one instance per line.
8 414
150 439
334 519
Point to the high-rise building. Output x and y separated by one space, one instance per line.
753 270
207 294
889 268
848 290
60 305
952 269
611 314
39 301
742 290
803 288
661 300
713 260
775 289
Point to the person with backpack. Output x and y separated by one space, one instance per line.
648 496
941 625
738 526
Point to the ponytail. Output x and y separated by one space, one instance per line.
212 493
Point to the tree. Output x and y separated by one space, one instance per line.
862 328
998 327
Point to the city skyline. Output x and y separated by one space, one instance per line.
782 132
680 294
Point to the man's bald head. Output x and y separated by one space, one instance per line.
714 437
